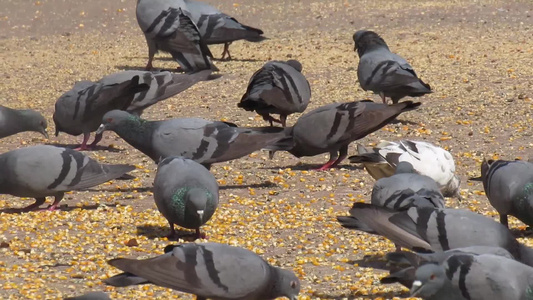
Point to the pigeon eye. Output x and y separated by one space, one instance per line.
432 277
293 284
109 120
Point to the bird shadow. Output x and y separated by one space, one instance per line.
63 207
359 295
237 59
404 122
371 261
96 148
314 167
266 184
137 68
120 189
156 231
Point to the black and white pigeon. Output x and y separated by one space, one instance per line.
91 296
331 128
509 188
279 87
185 193
406 189
41 171
402 265
430 229
13 121
426 159
163 85
474 277
218 28
209 271
168 28
384 72
80 110
203 141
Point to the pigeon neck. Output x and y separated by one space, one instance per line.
138 133
280 284
18 122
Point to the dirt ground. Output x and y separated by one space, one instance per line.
476 55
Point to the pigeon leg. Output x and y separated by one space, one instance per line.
38 202
54 205
332 159
97 139
382 95
504 220
83 145
200 235
226 51
283 119
271 119
398 248
343 152
172 233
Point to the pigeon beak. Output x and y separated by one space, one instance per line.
271 154
100 129
57 131
200 214
43 132
415 289
475 178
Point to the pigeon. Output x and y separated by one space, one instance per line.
80 110
331 128
205 142
429 229
426 158
163 85
403 265
277 88
509 188
209 270
384 72
218 28
91 296
185 193
474 277
13 121
167 27
43 170
406 189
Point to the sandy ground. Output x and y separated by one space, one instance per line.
477 56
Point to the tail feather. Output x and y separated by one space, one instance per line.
125 279
94 174
353 223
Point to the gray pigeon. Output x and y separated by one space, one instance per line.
186 193
426 158
167 27
218 28
209 270
406 189
474 277
509 188
331 128
403 265
431 229
384 72
13 121
205 142
80 110
91 296
277 88
162 84
43 170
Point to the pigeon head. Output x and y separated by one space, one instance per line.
114 119
429 279
286 284
295 64
365 40
404 167
196 202
35 122
452 189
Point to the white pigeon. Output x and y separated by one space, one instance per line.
426 158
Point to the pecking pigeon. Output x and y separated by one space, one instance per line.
209 270
13 121
167 27
427 159
218 28
384 72
474 277
185 193
80 110
277 88
41 171
509 188
431 229
331 128
205 142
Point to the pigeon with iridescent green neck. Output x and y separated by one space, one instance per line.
186 193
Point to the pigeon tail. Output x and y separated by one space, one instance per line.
353 223
125 279
284 144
